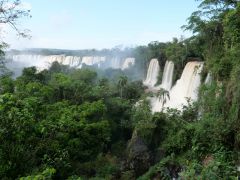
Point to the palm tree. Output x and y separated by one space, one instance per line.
163 95
122 82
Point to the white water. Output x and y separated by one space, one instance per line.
186 87
92 60
208 79
152 74
115 63
167 75
166 84
44 62
72 61
128 63
87 60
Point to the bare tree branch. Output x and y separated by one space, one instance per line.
10 12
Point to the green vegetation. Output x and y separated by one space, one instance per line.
67 123
206 145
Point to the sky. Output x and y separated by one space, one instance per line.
87 24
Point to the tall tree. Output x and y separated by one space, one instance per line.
163 95
10 12
122 82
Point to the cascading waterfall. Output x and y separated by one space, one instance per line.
87 60
115 63
128 63
44 62
166 84
93 60
167 76
101 60
152 74
185 88
72 61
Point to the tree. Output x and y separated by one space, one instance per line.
10 12
3 69
176 52
122 82
6 85
231 28
45 175
60 83
163 95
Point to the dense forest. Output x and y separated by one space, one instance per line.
65 123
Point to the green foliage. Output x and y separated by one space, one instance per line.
65 119
142 118
122 82
163 96
6 84
215 166
159 170
231 28
47 174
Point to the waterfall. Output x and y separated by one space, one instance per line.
167 75
72 61
186 87
115 63
93 60
152 73
98 60
119 63
128 62
87 60
42 62
208 79
166 84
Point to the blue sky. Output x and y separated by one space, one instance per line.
82 24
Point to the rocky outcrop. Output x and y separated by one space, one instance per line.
139 158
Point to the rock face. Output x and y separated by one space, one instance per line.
139 158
